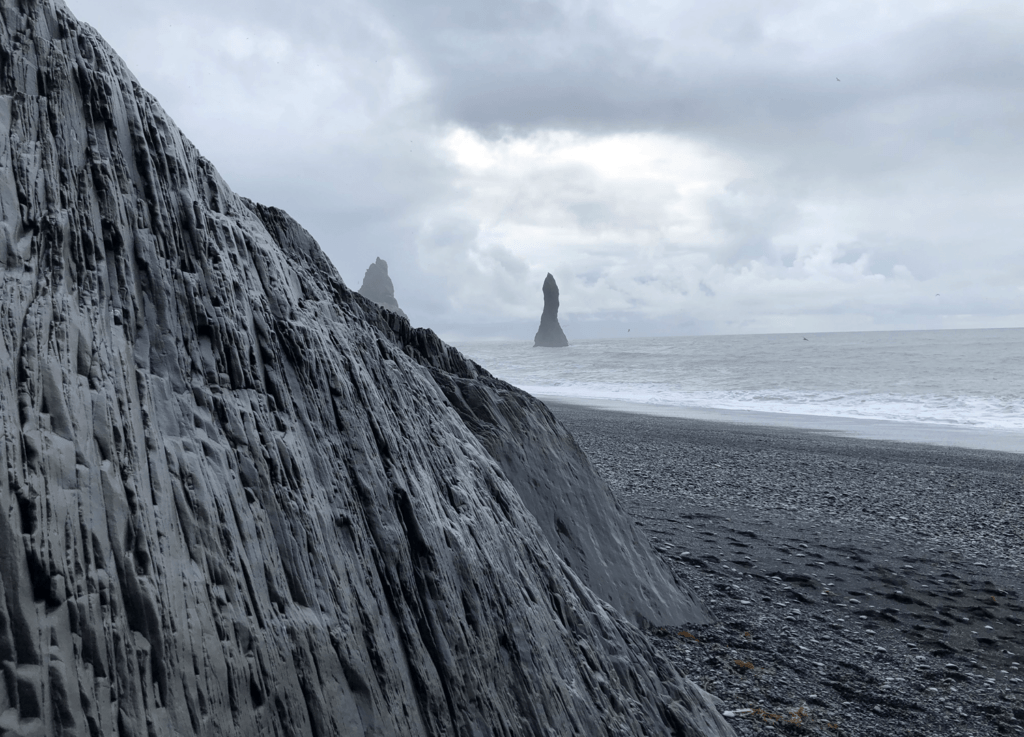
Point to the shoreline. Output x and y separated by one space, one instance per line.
874 584
923 433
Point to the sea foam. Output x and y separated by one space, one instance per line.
965 378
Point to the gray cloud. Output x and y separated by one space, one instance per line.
832 205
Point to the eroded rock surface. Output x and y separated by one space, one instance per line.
236 499
571 502
549 334
378 287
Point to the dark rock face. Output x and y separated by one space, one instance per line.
377 287
571 502
241 500
550 334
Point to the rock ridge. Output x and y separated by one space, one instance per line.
240 499
573 505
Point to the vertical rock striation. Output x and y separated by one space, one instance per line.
549 334
573 505
377 287
237 498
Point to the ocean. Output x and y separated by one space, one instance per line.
909 383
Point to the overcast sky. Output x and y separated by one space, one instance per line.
680 167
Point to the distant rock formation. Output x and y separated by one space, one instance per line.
550 334
377 287
238 499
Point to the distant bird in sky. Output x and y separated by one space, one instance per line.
838 80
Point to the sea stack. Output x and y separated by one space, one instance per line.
550 334
241 500
377 287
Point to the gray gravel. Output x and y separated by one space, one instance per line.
861 587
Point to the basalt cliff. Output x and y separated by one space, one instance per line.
240 499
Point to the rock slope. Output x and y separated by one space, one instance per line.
573 505
235 498
378 288
549 334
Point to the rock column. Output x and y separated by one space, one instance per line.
550 334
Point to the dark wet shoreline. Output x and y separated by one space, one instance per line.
870 582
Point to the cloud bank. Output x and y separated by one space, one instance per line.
680 167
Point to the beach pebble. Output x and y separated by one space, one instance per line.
737 712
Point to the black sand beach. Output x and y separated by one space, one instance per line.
861 587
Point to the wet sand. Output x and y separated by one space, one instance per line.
922 433
876 585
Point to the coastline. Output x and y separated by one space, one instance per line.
944 435
875 584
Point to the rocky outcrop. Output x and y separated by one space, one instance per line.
377 287
241 500
573 505
550 334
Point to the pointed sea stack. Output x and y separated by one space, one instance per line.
377 287
550 334
240 500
